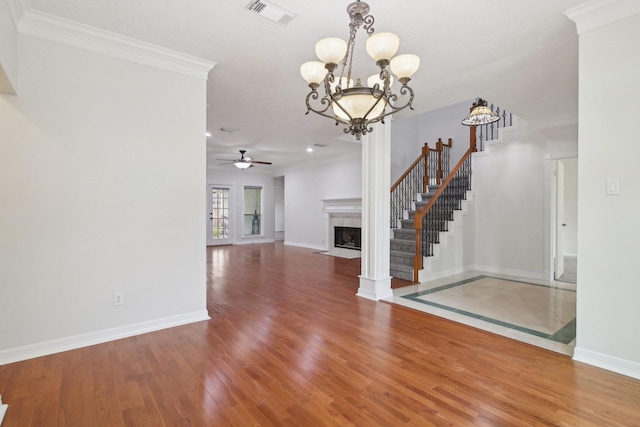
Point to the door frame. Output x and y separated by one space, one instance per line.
559 220
553 215
231 216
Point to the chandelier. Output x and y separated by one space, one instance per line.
480 114
355 105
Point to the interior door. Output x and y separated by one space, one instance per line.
560 224
219 215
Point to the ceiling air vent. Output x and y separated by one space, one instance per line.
271 11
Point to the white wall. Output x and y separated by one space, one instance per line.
306 224
102 170
608 227
408 135
8 52
512 194
237 180
406 145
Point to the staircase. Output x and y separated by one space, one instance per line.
425 198
403 242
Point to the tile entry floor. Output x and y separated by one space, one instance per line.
536 312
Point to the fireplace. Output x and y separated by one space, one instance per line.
347 238
343 214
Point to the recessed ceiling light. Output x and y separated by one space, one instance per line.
309 150
208 134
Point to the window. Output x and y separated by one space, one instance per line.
252 210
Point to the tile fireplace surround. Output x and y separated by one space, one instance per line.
342 213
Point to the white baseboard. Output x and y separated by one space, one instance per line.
429 276
521 274
84 340
304 245
605 361
254 241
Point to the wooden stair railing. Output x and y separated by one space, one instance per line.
429 168
463 168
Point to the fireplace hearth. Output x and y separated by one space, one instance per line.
347 238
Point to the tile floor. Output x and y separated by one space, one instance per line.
536 312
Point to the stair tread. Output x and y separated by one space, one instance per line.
401 267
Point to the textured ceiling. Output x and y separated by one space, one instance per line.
518 54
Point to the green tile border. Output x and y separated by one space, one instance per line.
564 335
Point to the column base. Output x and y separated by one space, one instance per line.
375 289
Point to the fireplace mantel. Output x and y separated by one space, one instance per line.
343 206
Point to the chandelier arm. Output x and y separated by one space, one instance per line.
358 129
328 79
368 22
322 112
394 109
313 95
391 99
386 78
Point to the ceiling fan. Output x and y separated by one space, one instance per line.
245 162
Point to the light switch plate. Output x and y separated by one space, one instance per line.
613 187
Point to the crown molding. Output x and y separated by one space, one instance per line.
598 13
52 28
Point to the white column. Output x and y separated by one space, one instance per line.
375 281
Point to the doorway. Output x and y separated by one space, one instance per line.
278 187
219 225
566 219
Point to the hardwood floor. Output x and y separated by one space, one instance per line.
289 343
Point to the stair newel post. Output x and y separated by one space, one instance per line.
439 150
417 260
472 133
425 156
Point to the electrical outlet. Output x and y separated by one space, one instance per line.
118 298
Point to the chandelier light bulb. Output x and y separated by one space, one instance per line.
404 66
358 105
313 72
382 46
331 50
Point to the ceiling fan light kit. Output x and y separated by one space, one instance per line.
245 162
355 105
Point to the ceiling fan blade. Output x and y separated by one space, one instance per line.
261 163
